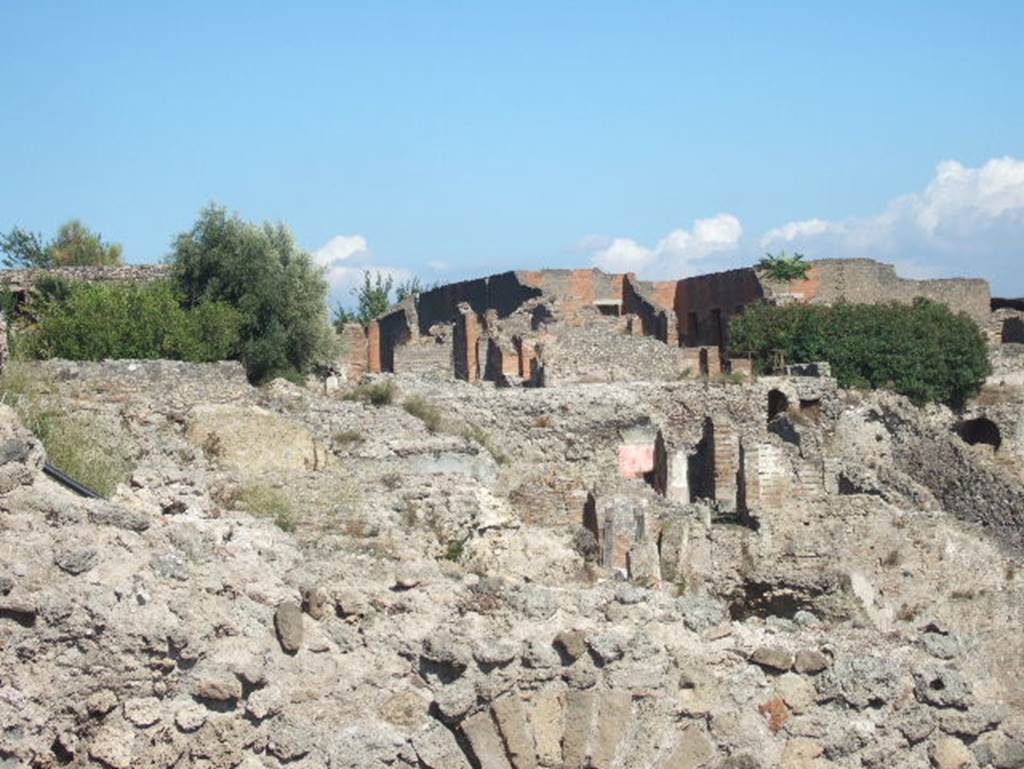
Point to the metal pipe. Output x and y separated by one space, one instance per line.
66 480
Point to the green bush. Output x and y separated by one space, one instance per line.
375 393
425 411
93 321
261 272
268 502
922 350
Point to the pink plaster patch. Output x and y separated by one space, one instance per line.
636 460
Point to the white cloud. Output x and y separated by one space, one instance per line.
346 258
339 248
966 221
673 255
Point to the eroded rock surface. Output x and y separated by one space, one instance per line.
597 575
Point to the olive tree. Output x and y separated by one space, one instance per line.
260 270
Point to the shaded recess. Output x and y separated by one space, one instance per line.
980 430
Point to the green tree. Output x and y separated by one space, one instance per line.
373 298
259 270
74 246
922 350
784 267
23 249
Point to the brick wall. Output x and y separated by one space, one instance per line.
355 348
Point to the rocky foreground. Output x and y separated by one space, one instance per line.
435 591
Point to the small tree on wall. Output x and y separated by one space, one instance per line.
74 246
783 267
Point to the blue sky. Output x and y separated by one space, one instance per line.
455 139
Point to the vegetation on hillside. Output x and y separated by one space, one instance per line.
91 452
74 246
922 350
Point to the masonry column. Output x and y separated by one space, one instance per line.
373 347
464 348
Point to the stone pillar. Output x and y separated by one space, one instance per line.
465 338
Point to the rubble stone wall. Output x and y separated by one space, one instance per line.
24 279
870 282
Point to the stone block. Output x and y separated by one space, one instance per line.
510 716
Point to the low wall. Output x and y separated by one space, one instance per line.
25 279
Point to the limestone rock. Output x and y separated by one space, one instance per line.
949 753
773 657
288 624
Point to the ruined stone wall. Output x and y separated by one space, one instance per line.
353 351
870 282
425 356
655 319
577 291
704 305
504 293
693 312
19 280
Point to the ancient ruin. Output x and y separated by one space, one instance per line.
539 327
433 566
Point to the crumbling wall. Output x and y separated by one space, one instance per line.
655 320
504 293
576 291
704 305
354 351
870 282
601 351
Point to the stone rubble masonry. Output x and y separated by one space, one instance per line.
23 279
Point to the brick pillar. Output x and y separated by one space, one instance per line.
356 351
373 351
726 453
671 329
714 361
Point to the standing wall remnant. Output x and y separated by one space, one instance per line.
465 344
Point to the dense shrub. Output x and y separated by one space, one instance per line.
375 393
93 321
261 272
922 350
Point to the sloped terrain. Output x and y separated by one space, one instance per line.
631 574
